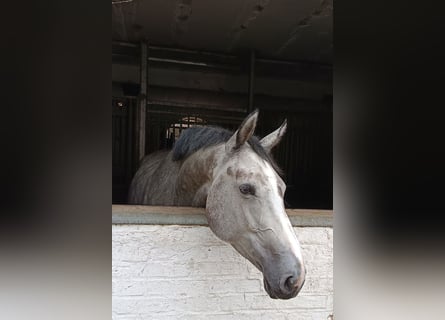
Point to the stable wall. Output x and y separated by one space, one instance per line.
180 271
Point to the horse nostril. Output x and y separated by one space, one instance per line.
290 283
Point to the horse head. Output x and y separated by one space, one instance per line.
245 208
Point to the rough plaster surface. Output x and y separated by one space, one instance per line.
185 272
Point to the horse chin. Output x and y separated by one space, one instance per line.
268 290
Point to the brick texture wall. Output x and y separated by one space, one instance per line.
185 272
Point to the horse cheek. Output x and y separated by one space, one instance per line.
218 213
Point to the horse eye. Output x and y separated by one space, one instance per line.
246 188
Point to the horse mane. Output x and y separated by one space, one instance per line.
196 138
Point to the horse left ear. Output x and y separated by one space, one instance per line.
272 139
244 132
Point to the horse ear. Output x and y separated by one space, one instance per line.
272 139
244 132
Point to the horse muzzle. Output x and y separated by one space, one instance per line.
286 286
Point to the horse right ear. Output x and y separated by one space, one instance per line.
244 132
271 140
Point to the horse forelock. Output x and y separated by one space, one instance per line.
197 138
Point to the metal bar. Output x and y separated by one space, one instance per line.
223 55
184 113
129 149
294 62
251 80
208 53
202 64
142 100
147 117
220 107
194 63
124 44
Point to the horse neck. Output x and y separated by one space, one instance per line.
196 175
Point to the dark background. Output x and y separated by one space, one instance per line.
217 62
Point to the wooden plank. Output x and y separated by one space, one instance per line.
142 100
134 214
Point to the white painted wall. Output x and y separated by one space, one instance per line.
185 272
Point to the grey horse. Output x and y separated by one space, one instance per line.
235 178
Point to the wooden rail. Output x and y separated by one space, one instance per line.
131 214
